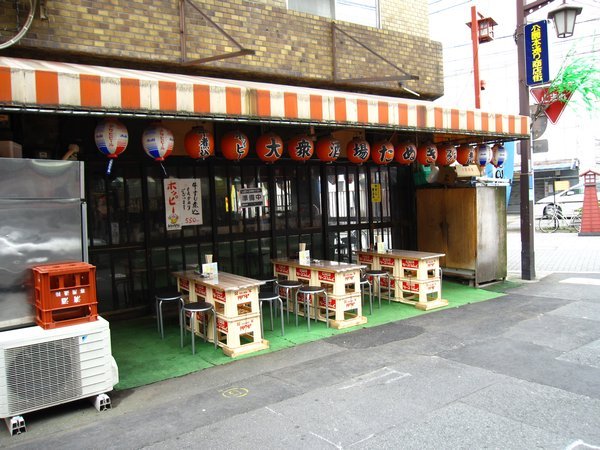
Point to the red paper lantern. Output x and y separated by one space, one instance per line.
447 156
199 144
328 149
382 152
427 154
300 148
234 145
465 155
358 150
405 153
269 147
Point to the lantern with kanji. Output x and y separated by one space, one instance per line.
111 139
358 150
498 155
300 148
484 154
382 152
269 147
328 149
405 153
234 145
158 143
199 144
465 154
427 154
447 155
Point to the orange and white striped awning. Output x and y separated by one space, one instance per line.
64 87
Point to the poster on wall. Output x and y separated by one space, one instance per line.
183 202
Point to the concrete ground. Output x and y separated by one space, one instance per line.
518 372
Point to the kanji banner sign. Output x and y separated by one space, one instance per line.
536 53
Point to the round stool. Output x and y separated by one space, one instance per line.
289 286
364 281
202 308
379 274
310 292
167 295
270 297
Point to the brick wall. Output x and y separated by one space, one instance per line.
290 46
405 16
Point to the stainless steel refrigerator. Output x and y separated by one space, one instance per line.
42 220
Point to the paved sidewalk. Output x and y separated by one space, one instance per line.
562 251
518 372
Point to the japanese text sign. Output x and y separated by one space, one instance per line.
536 53
183 202
251 197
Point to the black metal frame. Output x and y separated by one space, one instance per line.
399 223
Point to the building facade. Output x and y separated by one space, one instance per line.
290 68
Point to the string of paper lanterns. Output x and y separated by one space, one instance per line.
158 142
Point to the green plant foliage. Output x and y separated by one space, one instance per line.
579 73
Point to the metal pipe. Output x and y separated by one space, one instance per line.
25 29
526 177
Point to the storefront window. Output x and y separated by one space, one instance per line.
364 12
315 190
363 195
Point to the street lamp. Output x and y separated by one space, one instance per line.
564 19
564 15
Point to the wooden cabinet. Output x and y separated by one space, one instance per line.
469 226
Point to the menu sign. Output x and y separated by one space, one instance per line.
183 202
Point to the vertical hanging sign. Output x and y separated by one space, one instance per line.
536 53
183 203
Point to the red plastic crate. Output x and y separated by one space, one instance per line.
48 319
65 285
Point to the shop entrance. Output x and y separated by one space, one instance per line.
335 209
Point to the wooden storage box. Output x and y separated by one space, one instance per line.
235 303
240 335
340 284
343 310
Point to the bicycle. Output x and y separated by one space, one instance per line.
553 219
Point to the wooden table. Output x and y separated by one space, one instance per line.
415 277
340 280
237 309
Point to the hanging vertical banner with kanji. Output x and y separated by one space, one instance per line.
183 202
536 53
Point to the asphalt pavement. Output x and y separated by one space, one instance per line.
518 372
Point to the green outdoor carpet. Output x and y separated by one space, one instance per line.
143 358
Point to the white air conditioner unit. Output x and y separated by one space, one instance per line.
41 368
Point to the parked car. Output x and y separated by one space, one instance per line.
568 202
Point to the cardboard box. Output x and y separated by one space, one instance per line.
10 149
